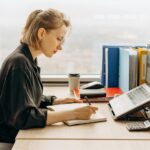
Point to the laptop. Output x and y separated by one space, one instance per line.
130 102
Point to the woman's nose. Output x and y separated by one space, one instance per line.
59 47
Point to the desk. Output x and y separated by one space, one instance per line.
81 145
105 135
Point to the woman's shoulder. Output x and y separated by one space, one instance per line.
16 60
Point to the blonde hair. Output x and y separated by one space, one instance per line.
49 19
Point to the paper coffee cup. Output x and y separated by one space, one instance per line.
74 81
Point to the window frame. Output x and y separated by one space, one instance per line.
62 80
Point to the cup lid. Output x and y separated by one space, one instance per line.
74 75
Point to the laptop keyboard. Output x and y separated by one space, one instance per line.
138 95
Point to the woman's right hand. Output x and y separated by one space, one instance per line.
84 113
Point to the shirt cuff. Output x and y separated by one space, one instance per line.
53 99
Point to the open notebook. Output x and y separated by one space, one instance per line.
94 118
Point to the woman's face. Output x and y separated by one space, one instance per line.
52 41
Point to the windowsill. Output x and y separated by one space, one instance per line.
54 80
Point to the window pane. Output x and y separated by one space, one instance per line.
94 23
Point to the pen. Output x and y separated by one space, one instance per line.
87 100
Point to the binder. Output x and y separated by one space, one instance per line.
142 65
148 68
103 73
110 66
128 69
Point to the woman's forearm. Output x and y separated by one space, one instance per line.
54 117
78 113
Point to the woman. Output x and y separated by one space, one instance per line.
21 92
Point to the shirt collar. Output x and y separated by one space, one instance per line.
28 54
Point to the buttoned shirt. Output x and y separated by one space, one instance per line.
21 95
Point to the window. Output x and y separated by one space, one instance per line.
94 23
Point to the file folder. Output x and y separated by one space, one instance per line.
110 66
128 69
142 65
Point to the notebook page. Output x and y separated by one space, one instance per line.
94 118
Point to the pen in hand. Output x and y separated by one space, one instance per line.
87 100
94 109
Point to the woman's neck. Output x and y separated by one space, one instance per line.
34 52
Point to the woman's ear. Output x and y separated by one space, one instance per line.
41 33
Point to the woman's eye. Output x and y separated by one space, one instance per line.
59 39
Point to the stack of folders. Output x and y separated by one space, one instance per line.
128 68
110 65
110 93
92 93
125 66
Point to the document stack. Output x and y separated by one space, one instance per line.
125 66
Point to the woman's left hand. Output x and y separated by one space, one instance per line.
66 101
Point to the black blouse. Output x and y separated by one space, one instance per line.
21 100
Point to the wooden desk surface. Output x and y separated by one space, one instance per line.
81 145
103 130
104 135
